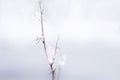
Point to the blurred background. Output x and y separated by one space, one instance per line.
89 33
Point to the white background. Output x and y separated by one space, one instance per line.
89 33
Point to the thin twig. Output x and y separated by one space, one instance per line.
44 43
56 47
42 27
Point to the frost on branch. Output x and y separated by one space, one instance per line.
51 54
62 60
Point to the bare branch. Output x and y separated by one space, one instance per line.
56 47
52 66
42 28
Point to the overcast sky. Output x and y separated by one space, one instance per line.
89 32
86 20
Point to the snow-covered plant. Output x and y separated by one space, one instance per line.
51 52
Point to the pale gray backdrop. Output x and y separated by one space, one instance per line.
89 33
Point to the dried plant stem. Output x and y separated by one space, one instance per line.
44 43
56 46
42 27
52 72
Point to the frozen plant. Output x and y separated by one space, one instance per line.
50 52
62 60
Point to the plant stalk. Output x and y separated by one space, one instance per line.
44 43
